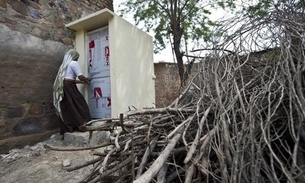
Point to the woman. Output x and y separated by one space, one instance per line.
69 103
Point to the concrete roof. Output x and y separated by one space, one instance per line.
93 21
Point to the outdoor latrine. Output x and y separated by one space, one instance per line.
119 58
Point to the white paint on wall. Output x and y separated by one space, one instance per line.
132 68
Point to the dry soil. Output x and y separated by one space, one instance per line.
37 164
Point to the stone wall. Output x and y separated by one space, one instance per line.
33 40
167 83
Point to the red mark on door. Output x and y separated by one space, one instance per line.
109 102
97 94
107 54
91 47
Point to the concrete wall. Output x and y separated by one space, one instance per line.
33 40
132 67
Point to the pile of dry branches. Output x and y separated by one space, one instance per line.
241 119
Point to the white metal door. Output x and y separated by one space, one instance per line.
98 54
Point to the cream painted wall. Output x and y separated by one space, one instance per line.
80 41
132 67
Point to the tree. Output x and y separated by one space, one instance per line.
175 21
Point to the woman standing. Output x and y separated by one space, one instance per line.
69 103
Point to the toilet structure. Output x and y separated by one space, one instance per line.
118 57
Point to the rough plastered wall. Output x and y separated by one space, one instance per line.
167 83
33 40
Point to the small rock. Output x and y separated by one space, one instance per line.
15 156
36 154
14 151
35 148
3 156
66 162
45 162
112 139
53 136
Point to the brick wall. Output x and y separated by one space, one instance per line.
33 40
167 83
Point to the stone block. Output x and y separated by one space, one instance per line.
27 126
13 113
3 3
34 13
49 107
66 162
59 22
21 141
84 139
35 5
27 2
67 41
3 104
2 123
53 122
36 108
19 7
9 22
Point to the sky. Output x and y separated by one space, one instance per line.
166 54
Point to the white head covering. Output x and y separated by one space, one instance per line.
58 93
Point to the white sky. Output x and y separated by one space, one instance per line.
166 54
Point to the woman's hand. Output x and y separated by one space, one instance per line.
84 80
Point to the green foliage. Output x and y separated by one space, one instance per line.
260 9
159 16
265 8
178 21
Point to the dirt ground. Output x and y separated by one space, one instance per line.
37 164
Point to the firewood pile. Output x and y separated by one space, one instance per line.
240 119
237 121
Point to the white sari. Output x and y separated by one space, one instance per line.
58 93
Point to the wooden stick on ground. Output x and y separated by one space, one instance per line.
104 164
158 163
75 148
72 168
196 140
160 111
162 173
149 149
116 168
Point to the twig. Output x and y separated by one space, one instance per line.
107 172
162 173
133 155
155 167
159 111
75 148
76 167
104 164
116 141
196 140
149 149
180 126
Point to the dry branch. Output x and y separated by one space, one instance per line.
158 163
148 151
87 163
47 146
159 111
